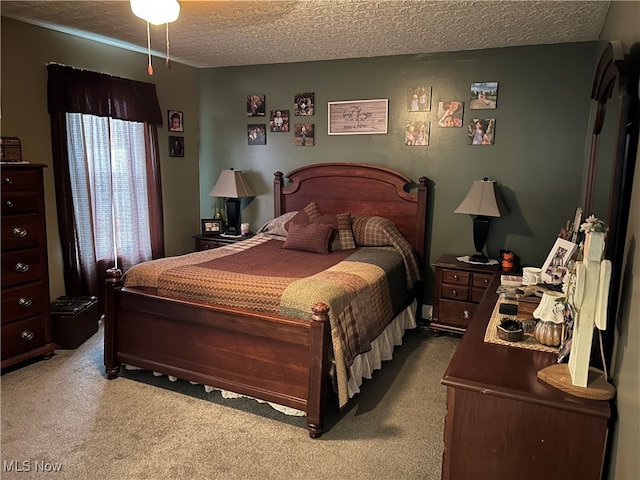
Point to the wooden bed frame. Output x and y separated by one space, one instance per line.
272 358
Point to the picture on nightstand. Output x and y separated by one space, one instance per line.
212 225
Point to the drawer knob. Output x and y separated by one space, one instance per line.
9 204
485 281
455 277
26 335
22 267
19 232
454 292
466 314
24 302
7 181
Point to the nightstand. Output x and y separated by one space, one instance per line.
215 240
459 287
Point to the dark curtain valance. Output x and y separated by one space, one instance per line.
79 91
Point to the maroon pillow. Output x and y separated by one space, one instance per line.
313 237
304 216
341 222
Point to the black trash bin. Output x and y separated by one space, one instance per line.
75 319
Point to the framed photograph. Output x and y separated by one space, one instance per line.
175 121
358 117
176 146
419 99
212 225
303 104
303 134
255 105
483 95
417 133
279 121
481 131
450 113
557 260
257 134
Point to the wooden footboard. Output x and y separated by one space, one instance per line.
270 358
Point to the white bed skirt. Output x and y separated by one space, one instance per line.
362 367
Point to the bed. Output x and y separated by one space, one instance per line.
277 355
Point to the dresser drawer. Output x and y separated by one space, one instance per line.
22 336
21 231
21 302
455 277
22 267
456 313
17 179
482 280
455 292
15 203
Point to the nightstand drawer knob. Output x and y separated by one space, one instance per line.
466 314
485 281
454 292
24 302
26 335
9 204
19 232
22 267
455 277
7 181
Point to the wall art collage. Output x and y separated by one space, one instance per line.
279 121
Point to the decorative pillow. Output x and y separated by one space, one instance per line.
341 222
313 237
304 216
372 231
276 226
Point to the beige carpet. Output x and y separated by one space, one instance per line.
62 414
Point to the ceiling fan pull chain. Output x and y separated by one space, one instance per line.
168 61
150 67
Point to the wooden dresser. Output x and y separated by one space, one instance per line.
503 422
459 286
26 321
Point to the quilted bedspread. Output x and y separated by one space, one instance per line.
364 287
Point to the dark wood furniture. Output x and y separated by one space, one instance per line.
503 422
272 358
459 286
214 240
26 321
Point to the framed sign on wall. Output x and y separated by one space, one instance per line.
358 117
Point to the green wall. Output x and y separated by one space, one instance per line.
537 159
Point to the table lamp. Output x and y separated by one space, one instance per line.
482 202
232 185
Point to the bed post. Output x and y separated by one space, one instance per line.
421 218
113 283
318 369
277 194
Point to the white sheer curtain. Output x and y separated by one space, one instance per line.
107 164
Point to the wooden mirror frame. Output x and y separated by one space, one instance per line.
616 74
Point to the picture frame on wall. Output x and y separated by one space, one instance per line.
257 134
450 113
303 104
255 105
419 99
481 131
358 117
176 146
484 95
175 120
279 121
211 226
417 133
304 134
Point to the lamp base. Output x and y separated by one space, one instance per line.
479 257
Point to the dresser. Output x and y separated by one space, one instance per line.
26 321
459 287
503 422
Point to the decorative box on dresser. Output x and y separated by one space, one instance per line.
459 287
26 320
503 422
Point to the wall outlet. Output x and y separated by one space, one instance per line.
426 312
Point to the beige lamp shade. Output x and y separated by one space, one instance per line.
549 309
483 199
231 184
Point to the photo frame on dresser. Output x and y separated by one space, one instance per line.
212 226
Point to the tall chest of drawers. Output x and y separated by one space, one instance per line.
26 320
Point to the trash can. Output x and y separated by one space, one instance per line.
75 319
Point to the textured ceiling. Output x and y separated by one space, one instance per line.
238 32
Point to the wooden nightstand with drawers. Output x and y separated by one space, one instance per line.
459 287
215 240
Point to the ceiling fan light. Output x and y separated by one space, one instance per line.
156 12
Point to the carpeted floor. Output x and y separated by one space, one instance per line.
62 414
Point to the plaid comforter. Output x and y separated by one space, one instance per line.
364 287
